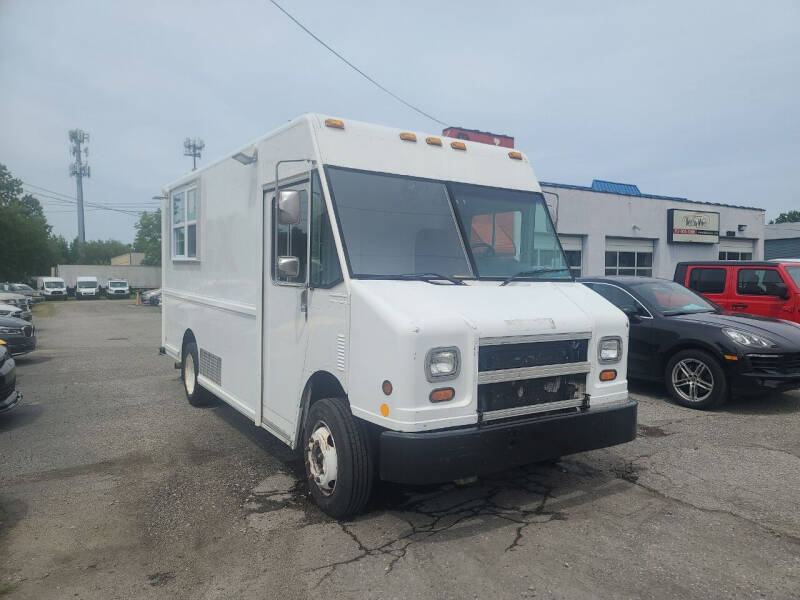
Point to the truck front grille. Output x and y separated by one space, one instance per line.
532 374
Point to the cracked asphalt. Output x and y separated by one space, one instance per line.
112 486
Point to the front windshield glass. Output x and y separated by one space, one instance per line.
395 225
53 284
671 298
794 273
87 284
117 284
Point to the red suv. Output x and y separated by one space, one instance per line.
769 289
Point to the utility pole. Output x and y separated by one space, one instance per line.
192 147
79 170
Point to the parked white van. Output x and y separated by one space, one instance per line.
52 288
87 288
118 288
399 307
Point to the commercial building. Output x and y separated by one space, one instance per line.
132 259
782 240
614 229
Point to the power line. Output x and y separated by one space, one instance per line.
73 198
62 202
356 69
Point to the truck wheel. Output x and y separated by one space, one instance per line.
195 393
338 458
695 379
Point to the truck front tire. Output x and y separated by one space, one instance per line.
195 393
338 458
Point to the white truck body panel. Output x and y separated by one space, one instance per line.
261 350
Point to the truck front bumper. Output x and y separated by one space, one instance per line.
439 456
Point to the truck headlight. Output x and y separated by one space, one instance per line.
609 350
750 340
442 364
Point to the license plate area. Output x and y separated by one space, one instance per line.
506 399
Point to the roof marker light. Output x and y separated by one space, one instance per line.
335 123
408 137
458 145
515 155
433 141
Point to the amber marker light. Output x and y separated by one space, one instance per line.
335 123
608 375
730 357
433 141
515 155
387 388
385 410
408 137
442 395
458 145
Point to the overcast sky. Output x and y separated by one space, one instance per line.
694 99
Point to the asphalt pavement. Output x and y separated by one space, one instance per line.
113 486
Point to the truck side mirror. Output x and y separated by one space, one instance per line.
289 207
288 266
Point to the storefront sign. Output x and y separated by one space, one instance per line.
692 226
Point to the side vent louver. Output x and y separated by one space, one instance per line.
211 366
341 351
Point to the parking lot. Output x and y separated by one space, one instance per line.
112 486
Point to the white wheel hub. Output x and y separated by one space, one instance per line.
189 379
322 459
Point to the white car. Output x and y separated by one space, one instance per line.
87 288
118 288
9 310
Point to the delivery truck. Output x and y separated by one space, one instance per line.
392 304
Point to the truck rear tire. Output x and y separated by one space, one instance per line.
338 458
195 393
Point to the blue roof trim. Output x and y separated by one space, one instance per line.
624 189
584 188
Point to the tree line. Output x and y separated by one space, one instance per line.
29 248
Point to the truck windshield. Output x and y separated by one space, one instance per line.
87 284
53 284
117 284
397 226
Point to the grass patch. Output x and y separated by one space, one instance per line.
43 309
6 588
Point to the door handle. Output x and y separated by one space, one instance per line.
738 306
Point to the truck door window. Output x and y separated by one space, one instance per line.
291 240
325 268
707 281
760 282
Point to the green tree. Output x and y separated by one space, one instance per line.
148 237
96 252
793 216
25 238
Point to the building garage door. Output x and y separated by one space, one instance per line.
629 256
573 248
735 249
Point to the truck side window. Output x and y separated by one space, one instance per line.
707 281
291 240
760 282
325 268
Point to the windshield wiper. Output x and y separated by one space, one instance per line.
532 272
429 277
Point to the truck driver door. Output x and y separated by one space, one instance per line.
285 326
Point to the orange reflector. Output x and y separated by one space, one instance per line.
608 375
730 357
433 141
458 145
408 137
335 123
442 395
515 155
385 410
387 387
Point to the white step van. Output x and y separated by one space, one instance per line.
87 288
398 308
52 288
